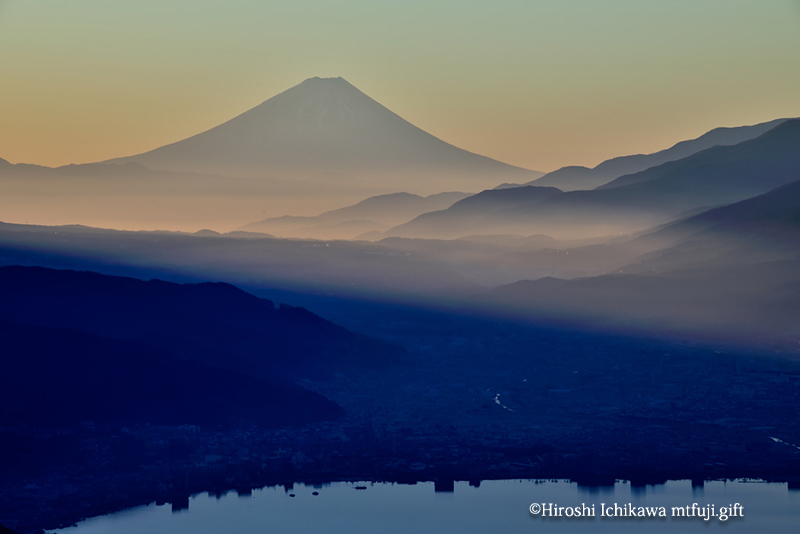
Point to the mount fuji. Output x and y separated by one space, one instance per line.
326 129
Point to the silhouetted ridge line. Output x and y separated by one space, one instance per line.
212 323
577 177
374 214
714 177
474 214
320 125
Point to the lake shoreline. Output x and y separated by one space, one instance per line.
120 492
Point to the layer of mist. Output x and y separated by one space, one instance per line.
722 273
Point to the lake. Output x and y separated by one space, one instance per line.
494 506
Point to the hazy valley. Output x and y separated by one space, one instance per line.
317 290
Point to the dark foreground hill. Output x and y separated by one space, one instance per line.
212 323
81 346
56 377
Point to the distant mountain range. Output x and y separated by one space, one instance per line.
713 177
374 214
759 229
325 128
317 146
322 144
728 271
732 272
474 214
576 177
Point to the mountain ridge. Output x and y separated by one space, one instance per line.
213 324
471 213
576 177
713 177
374 214
320 126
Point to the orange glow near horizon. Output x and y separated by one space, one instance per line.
539 86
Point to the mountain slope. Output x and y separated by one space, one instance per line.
474 214
714 177
732 271
315 147
213 324
372 214
759 229
119 382
576 177
322 126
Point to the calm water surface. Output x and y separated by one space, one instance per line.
496 506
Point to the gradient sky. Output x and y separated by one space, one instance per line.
534 83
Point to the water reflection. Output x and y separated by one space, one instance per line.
469 507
